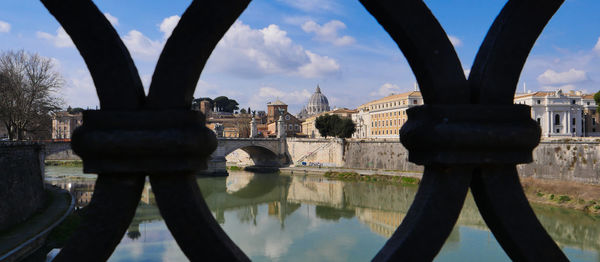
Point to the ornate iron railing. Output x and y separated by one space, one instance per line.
469 134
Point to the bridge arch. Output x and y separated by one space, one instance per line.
261 156
259 152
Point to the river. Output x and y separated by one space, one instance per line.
275 217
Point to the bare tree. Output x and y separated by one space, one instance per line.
28 92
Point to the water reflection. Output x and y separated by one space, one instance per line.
299 218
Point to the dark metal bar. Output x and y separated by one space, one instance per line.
426 47
431 216
497 67
190 221
178 69
115 76
106 218
506 211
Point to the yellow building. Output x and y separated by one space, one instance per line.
384 117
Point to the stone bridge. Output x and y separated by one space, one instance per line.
264 152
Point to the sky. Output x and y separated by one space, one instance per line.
283 49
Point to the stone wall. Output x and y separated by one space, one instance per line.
21 181
324 152
569 160
378 154
60 151
575 160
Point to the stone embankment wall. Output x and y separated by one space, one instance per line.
21 181
575 160
60 151
324 152
566 160
387 155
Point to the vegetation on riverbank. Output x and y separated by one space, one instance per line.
563 194
353 176
66 163
234 168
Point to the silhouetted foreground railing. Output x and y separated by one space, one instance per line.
468 134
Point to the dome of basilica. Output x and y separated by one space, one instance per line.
318 100
317 104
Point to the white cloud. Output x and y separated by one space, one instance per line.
141 46
467 72
4 27
328 32
456 42
597 46
79 90
113 20
61 39
296 20
168 24
313 5
563 88
295 97
386 89
319 66
253 53
551 77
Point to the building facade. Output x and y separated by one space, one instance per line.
561 114
384 117
63 124
275 110
591 115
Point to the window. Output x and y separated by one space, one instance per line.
539 121
573 102
414 101
557 130
588 103
593 121
557 120
539 101
573 130
573 121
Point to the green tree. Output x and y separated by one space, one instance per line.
196 102
225 104
334 125
242 111
597 99
322 124
77 110
344 128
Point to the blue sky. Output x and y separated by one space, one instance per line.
284 48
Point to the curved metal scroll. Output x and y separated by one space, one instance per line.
437 69
493 80
115 76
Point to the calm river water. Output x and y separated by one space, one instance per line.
305 218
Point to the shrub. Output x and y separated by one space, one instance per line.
409 180
563 198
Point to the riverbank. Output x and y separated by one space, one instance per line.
68 163
27 237
563 194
